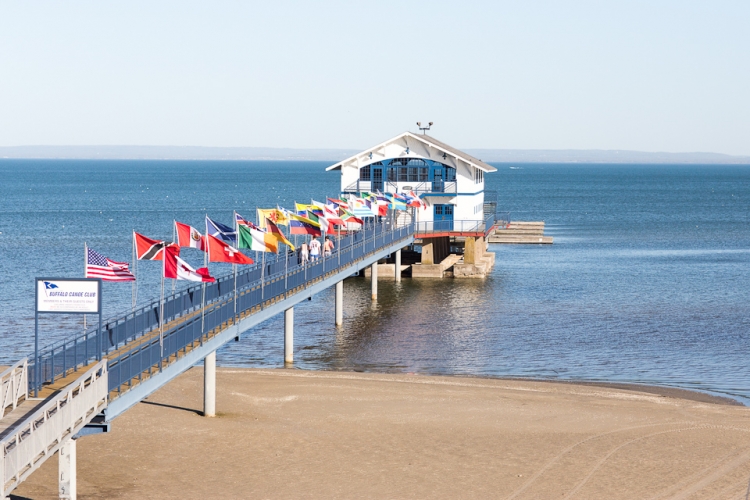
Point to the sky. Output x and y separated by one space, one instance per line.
638 75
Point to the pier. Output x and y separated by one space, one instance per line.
78 386
85 382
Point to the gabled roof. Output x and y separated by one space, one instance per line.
410 145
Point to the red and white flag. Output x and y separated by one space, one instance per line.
188 236
178 269
218 251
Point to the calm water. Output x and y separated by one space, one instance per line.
648 279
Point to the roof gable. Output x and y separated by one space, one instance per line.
410 145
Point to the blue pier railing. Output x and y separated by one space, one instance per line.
257 284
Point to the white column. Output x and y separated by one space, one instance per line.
374 276
66 466
289 335
209 385
340 302
398 266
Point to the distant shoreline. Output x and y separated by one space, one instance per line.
333 155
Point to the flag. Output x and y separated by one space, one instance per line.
257 240
396 203
320 219
302 225
219 230
338 203
275 215
419 200
243 222
98 266
359 208
148 249
274 230
218 251
176 268
350 217
332 214
299 207
188 236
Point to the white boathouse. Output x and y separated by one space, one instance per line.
459 212
450 181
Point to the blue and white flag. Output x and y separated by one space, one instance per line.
220 231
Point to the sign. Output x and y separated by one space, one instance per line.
66 295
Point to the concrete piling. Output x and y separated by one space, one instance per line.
340 303
289 335
209 385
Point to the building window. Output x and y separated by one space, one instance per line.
364 173
450 174
392 174
413 174
424 174
402 174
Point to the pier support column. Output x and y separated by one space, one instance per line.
66 467
209 385
289 335
374 279
340 303
428 252
398 266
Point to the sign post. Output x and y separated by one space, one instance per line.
65 296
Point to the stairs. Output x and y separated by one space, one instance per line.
520 232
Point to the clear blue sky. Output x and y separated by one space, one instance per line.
642 75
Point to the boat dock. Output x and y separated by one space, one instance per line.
520 232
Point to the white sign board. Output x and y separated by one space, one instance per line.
68 296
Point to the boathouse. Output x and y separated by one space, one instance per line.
459 212
450 181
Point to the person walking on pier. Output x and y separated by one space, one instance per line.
304 254
328 247
314 249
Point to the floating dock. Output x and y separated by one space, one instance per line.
520 232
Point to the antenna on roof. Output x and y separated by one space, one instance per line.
419 124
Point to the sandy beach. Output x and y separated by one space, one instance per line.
303 434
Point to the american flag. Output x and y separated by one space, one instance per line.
98 266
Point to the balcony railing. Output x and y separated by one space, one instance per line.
391 186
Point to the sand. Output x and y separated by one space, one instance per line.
298 434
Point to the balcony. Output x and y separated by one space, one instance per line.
419 188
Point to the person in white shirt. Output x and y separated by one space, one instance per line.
314 249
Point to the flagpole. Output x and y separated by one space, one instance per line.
133 289
174 230
234 266
203 296
85 273
262 273
161 313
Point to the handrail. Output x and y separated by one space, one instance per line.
70 353
14 384
40 435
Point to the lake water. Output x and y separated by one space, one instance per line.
648 279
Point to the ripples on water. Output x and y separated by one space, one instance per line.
647 280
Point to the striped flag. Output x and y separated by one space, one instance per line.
99 266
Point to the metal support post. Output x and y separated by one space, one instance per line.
340 303
289 335
66 467
374 279
398 265
209 385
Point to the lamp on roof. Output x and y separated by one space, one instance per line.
419 124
